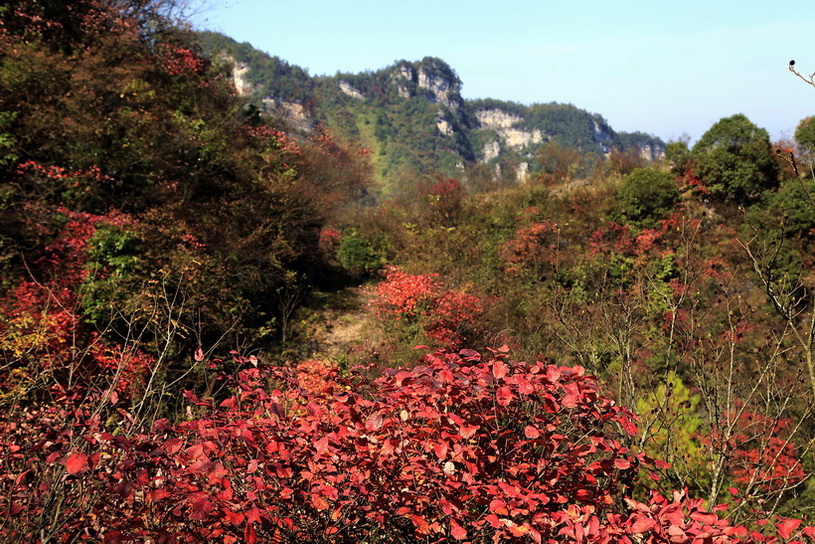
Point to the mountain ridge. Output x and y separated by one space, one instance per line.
413 117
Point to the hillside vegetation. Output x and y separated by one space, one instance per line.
413 118
213 329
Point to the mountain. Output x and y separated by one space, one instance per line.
414 119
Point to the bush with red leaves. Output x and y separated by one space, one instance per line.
448 317
461 448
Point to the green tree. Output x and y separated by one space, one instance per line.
677 155
805 133
734 159
648 195
805 138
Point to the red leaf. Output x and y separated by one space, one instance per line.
572 396
642 525
786 526
457 531
673 513
196 451
253 515
158 494
497 506
319 502
524 387
622 464
113 537
704 517
76 463
504 395
422 526
499 369
199 355
441 449
494 521
468 431
661 464
738 530
172 445
233 518
200 508
531 432
321 445
249 534
374 422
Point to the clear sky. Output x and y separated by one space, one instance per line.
664 67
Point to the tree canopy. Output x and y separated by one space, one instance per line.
734 159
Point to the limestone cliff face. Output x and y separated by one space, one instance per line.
440 89
291 113
430 78
651 151
603 136
349 90
509 128
239 71
497 119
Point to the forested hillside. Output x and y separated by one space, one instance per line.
413 118
211 331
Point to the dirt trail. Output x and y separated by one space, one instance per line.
349 323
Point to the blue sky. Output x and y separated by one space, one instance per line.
667 68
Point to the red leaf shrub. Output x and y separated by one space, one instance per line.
533 246
401 295
462 447
446 316
41 328
764 455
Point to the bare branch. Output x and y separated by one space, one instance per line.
808 80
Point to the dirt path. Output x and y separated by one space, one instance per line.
347 325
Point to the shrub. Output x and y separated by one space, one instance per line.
358 255
648 195
792 203
460 448
446 316
677 155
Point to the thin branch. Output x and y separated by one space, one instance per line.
808 80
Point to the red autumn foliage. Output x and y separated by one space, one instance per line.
612 237
442 199
180 61
446 316
763 453
458 448
533 246
41 327
401 294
